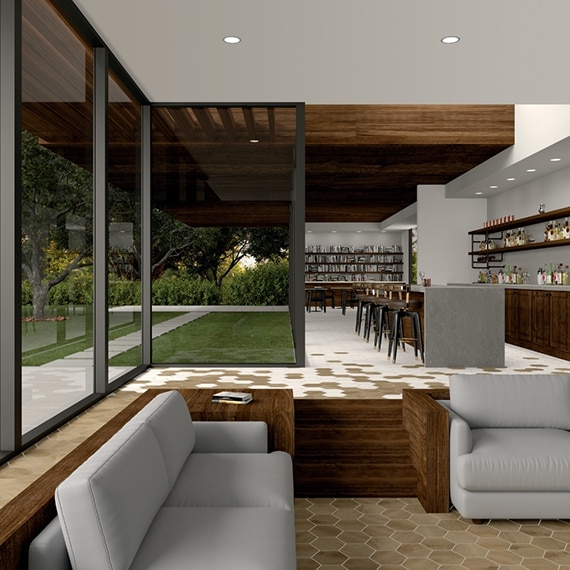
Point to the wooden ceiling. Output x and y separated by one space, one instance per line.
363 162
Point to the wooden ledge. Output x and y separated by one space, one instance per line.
427 423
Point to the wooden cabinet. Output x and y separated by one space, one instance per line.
538 320
518 315
541 317
560 323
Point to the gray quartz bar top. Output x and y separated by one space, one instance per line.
464 326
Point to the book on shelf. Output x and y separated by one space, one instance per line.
232 397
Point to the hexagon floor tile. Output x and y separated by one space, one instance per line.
368 534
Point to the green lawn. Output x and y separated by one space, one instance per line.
46 341
224 338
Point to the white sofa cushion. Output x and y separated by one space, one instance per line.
168 416
516 460
230 437
107 505
219 539
512 401
234 480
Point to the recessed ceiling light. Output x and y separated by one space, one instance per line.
478 193
494 186
253 140
232 40
333 231
511 179
555 159
450 40
531 169
309 231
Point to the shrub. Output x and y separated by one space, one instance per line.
122 293
264 284
77 289
184 291
27 294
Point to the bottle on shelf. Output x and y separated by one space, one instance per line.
549 274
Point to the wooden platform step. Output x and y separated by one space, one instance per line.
352 448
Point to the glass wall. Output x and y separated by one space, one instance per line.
124 230
222 185
56 214
75 189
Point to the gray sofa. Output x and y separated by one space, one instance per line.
168 493
510 446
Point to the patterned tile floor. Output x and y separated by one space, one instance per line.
349 534
369 534
340 364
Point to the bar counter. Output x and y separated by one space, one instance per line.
464 325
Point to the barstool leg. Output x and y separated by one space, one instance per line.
359 310
419 336
394 335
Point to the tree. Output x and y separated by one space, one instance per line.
268 243
215 252
57 206
171 240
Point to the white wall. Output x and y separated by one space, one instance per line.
443 241
536 127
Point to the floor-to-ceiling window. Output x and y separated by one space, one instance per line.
222 187
56 204
72 158
124 229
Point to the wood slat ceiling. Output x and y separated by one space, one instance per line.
363 162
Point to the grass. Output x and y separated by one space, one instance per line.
53 340
224 338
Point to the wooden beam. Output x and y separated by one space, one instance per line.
229 123
238 214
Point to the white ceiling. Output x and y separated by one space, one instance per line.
340 51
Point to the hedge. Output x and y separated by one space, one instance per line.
264 284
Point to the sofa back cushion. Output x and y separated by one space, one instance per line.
168 416
107 505
512 400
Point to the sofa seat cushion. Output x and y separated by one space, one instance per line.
234 480
522 459
219 539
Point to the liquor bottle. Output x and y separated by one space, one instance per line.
549 274
566 230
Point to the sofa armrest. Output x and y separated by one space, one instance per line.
231 437
460 438
48 550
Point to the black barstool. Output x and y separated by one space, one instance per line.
348 298
316 295
402 308
382 324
